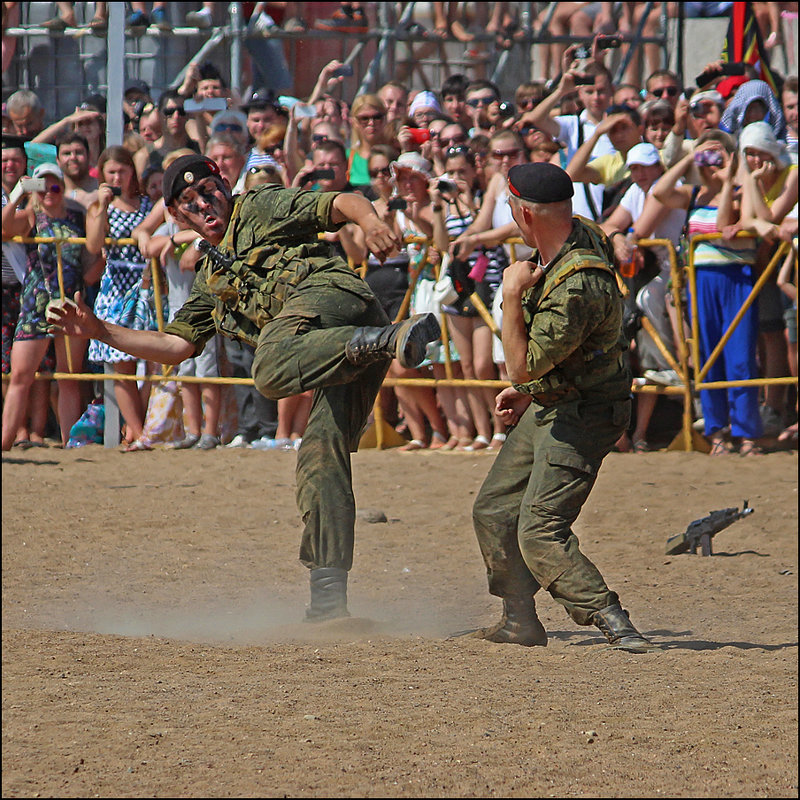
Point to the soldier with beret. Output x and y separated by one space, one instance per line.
270 281
569 403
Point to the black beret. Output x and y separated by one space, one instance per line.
186 171
540 183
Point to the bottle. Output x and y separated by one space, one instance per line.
628 268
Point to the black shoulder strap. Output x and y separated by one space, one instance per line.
586 190
692 201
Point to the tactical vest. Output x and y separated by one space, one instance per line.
251 290
583 368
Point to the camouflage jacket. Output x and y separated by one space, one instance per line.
574 320
272 238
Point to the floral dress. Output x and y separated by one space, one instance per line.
122 277
40 284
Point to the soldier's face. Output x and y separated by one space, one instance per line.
205 207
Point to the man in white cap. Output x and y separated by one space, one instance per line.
702 112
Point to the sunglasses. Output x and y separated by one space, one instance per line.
228 126
499 155
475 102
53 189
172 110
527 130
385 171
457 151
670 91
453 140
267 170
528 102
372 119
318 137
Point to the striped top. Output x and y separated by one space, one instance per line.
718 253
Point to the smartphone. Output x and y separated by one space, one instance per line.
584 80
206 104
320 175
583 51
33 185
116 191
346 71
608 42
304 111
397 204
736 68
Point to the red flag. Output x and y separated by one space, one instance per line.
743 43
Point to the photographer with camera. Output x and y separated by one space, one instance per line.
594 87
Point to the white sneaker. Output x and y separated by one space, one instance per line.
238 441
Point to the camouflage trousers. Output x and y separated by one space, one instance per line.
303 348
524 512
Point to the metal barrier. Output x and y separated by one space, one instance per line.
688 347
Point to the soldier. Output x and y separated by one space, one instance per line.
313 321
570 402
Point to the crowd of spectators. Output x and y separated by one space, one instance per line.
649 160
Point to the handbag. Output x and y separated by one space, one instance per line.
444 290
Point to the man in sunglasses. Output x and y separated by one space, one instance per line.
480 95
315 324
663 85
568 405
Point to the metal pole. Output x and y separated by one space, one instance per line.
115 68
236 47
680 33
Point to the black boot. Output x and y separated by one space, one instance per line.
328 594
405 341
518 625
616 625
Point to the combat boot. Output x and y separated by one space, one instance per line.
406 341
328 594
518 625
616 626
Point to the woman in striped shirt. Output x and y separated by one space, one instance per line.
724 272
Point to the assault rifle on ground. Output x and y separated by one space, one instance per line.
702 531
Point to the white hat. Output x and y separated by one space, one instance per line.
424 100
760 136
48 169
644 154
229 116
413 161
712 95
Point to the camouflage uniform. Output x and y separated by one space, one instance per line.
548 465
298 304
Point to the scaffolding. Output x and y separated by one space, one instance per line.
64 67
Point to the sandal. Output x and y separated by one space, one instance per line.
719 447
136 446
23 444
414 444
439 441
749 448
498 440
641 446
480 442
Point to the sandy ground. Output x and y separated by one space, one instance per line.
153 643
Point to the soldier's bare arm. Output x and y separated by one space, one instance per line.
75 318
380 238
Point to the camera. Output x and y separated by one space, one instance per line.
447 185
321 174
33 185
708 158
584 80
397 204
506 110
420 135
608 42
116 191
346 70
